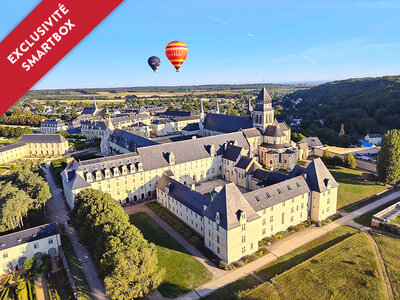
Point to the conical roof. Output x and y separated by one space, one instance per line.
263 96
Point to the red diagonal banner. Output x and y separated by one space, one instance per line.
42 39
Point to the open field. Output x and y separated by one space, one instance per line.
389 248
285 262
183 271
351 188
347 270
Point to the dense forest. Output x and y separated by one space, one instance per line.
362 105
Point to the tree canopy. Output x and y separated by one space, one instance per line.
126 261
388 165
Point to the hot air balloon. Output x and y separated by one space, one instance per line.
154 63
176 52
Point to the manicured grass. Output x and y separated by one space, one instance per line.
76 270
303 253
352 188
389 248
185 231
344 271
366 218
228 292
396 221
183 271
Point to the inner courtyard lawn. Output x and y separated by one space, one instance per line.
183 271
347 270
352 188
389 248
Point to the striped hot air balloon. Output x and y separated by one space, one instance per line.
176 52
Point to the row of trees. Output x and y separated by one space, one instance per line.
388 165
22 119
12 132
348 161
126 261
21 192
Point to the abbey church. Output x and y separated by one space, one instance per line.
270 139
223 182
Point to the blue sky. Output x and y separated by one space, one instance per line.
229 41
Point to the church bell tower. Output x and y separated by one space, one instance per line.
263 113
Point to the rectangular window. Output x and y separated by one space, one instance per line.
5 255
243 249
302 206
264 231
292 210
272 228
271 219
218 239
243 239
50 241
218 250
243 227
291 219
264 222
35 245
283 218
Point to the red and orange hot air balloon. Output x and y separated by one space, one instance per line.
176 52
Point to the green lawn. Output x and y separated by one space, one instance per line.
180 227
351 188
396 221
76 270
344 271
303 253
389 248
183 271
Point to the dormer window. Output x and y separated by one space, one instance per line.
89 177
107 173
217 219
124 170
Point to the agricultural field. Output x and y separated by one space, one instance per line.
183 271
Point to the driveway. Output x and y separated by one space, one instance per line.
57 210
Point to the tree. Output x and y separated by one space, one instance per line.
297 137
388 165
126 261
326 157
350 161
337 161
29 263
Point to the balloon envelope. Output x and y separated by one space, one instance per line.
176 52
154 63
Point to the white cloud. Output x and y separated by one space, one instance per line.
251 35
218 20
310 59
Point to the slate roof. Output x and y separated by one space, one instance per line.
266 178
251 132
229 203
74 131
189 150
232 152
375 135
28 235
130 139
263 96
42 138
191 127
312 141
52 122
183 194
277 193
176 113
88 111
11 146
296 171
318 175
274 130
226 123
243 163
275 146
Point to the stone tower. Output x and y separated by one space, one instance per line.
263 113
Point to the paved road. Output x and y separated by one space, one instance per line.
285 246
58 210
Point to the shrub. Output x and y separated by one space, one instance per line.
222 265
